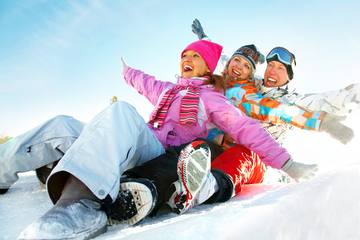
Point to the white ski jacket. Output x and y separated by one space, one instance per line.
338 102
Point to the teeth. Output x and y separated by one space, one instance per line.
188 68
271 80
236 72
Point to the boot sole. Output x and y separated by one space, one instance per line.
144 200
193 166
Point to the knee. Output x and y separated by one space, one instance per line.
66 121
122 107
61 119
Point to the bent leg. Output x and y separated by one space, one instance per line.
38 147
161 171
241 165
114 141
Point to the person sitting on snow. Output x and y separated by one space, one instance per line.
88 175
188 166
56 146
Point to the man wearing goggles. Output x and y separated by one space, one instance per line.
279 57
278 73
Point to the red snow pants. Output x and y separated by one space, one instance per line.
242 165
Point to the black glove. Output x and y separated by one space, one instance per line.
197 29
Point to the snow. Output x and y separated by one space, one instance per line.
324 207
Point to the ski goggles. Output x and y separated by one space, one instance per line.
282 55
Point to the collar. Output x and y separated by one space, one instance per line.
194 81
285 88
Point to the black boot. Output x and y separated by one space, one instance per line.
3 190
43 172
226 187
137 198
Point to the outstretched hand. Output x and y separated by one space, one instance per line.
198 29
354 93
332 125
123 63
299 171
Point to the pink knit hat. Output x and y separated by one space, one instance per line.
209 51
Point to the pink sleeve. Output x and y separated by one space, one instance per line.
145 84
246 131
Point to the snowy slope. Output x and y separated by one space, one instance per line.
325 207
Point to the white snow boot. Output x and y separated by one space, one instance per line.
196 183
81 219
136 200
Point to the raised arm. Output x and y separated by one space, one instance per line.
198 30
145 84
338 102
255 105
249 132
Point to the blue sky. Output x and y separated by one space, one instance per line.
63 57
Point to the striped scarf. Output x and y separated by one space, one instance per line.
188 108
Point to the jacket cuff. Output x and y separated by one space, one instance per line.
287 165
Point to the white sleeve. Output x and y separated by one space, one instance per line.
338 102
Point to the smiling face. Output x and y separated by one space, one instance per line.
275 75
193 65
239 68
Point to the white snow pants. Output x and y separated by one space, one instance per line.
115 140
38 147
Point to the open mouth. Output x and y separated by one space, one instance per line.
187 68
272 80
235 73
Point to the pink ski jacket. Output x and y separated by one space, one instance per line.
214 111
